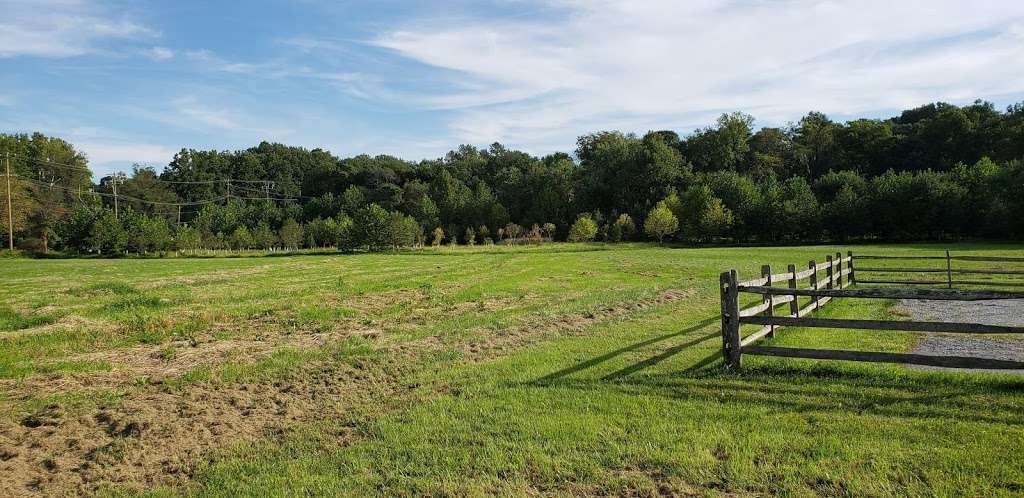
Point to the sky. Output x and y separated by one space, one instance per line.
136 81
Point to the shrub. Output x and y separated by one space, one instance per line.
264 238
401 230
371 227
583 230
345 233
108 235
512 231
187 239
549 230
660 222
241 238
291 234
626 226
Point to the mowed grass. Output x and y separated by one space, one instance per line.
630 403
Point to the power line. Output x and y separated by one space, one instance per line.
180 182
136 199
229 182
54 163
159 203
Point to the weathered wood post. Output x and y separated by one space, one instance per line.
949 270
730 320
853 279
766 273
839 270
794 305
813 278
829 271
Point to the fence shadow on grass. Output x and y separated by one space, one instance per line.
668 353
828 389
555 376
810 388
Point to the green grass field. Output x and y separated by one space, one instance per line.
559 370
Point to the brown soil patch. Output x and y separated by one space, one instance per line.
162 436
157 435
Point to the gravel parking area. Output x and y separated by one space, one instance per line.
1002 312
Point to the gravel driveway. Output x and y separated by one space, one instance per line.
1001 312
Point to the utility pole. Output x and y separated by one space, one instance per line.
10 214
179 215
114 180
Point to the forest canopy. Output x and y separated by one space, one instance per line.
939 171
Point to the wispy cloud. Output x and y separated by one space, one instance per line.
193 112
160 53
106 157
198 113
645 65
62 28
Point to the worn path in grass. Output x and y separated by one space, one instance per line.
562 370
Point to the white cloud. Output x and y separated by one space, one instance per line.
61 28
100 153
199 55
190 107
196 113
656 64
310 44
160 53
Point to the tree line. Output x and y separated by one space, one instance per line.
935 172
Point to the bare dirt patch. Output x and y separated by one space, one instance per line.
162 436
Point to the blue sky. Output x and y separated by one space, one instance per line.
136 81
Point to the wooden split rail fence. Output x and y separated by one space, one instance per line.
952 270
831 279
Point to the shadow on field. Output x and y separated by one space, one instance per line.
804 388
555 376
827 389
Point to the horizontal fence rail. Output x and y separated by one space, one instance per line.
899 325
891 293
905 358
829 280
953 270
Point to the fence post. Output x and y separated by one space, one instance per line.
949 270
839 269
814 281
829 271
730 320
766 272
852 279
794 305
